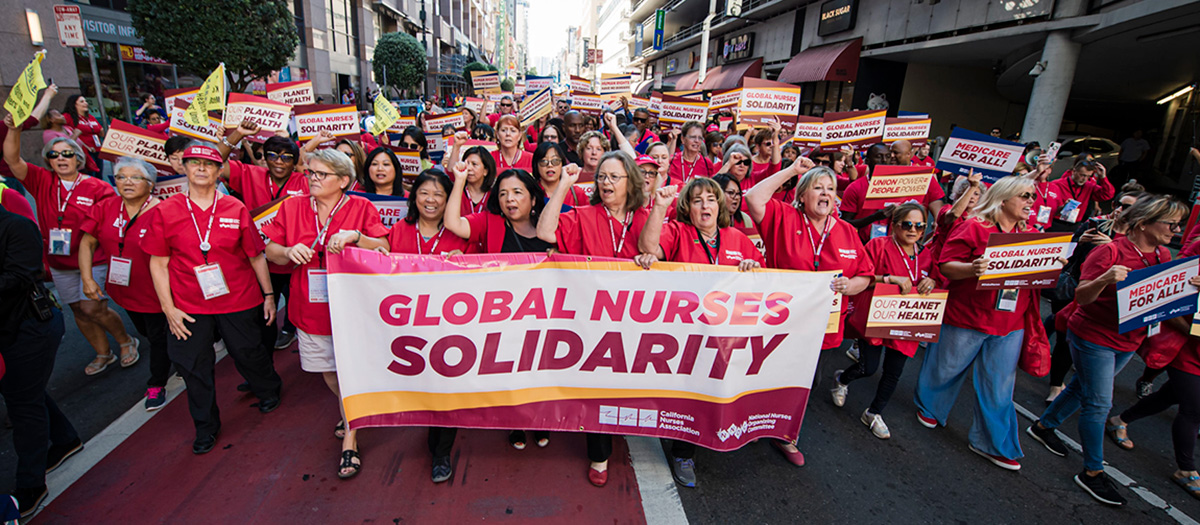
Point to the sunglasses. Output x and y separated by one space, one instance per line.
910 225
1172 225
410 146
743 162
1027 196
285 157
639 120
64 154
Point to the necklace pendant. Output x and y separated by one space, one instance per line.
205 246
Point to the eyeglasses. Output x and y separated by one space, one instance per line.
283 157
121 178
506 104
318 175
1172 225
910 225
733 193
650 174
1026 196
64 154
550 162
639 120
610 178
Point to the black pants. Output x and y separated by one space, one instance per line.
682 449
1060 358
441 441
154 327
37 421
869 357
599 447
194 359
280 283
1183 389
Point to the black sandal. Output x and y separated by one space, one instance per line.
340 430
516 438
348 457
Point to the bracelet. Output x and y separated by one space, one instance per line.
269 294
225 141
885 278
359 238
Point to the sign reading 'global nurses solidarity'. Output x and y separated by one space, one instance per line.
967 150
857 129
1024 260
340 120
1157 293
704 354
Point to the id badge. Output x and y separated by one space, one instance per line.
318 286
1006 299
1153 329
212 281
60 241
1043 216
878 230
119 270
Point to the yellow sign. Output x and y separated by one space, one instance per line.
211 97
24 92
385 115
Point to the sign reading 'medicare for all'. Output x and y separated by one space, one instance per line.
914 130
1024 260
857 129
270 116
126 140
1157 293
675 111
340 120
392 209
533 84
298 93
907 317
699 353
896 184
967 150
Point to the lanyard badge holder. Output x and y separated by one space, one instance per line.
208 275
60 238
1006 299
318 283
120 268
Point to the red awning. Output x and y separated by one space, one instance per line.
643 87
730 76
687 81
831 62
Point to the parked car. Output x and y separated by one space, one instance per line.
1103 151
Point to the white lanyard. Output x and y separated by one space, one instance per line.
123 226
624 230
321 230
62 204
816 248
204 245
912 270
436 239
692 171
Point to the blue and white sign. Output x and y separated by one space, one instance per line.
1155 294
968 150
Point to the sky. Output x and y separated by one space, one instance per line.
548 22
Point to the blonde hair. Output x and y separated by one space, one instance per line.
697 186
809 179
1150 208
583 141
991 202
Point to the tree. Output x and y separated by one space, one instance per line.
252 37
399 61
507 84
476 66
531 72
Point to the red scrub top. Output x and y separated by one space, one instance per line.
1097 322
974 309
406 238
54 199
591 230
121 236
681 243
888 259
524 161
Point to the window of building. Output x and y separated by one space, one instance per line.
343 35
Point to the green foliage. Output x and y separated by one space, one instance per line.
252 37
531 72
476 66
400 59
507 84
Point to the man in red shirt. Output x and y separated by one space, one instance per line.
506 106
875 224
1088 181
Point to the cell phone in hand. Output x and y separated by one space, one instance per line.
1052 150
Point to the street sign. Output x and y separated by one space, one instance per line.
660 20
733 8
70 26
595 56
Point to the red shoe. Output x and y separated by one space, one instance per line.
999 461
796 458
596 477
926 422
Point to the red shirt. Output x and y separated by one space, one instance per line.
29 124
684 171
591 230
855 197
256 187
681 243
469 206
1097 321
889 260
1046 196
974 309
942 229
296 223
90 131
1097 188
927 162
51 195
106 222
234 241
405 238
13 201
759 172
791 241
524 161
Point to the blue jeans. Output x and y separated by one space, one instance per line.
1090 389
994 426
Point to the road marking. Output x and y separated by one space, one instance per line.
109 439
660 499
1120 477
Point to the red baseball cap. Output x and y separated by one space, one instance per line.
712 127
646 159
203 152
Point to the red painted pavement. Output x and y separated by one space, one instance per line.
282 468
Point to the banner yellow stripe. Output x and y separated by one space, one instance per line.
1050 240
989 278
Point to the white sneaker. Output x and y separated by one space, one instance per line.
878 427
839 390
852 352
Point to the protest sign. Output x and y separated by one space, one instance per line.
180 126
410 161
906 317
967 150
126 140
168 185
896 184
270 116
172 96
694 94
763 101
401 123
655 106
533 83
809 131
587 103
727 99
263 215
471 143
857 129
392 209
385 115
1157 293
485 81
914 130
638 102
580 85
211 97
614 83
474 104
298 93
435 123
519 91
675 111
311 120
536 106
600 345
1024 260
23 96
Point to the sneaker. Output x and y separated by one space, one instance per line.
1144 389
999 461
926 422
839 390
1053 394
29 499
57 455
156 397
285 339
441 469
684 471
852 352
1048 437
875 421
1100 487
